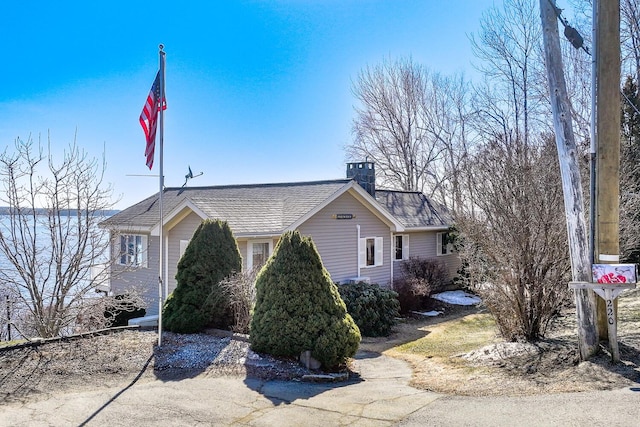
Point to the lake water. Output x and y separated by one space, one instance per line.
44 273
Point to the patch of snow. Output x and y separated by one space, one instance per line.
432 313
501 351
457 298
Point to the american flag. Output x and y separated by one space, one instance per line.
149 118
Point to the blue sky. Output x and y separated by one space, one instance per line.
257 91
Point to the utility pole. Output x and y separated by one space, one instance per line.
607 58
571 182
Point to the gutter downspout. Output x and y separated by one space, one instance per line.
358 254
392 256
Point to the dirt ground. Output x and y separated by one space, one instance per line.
118 359
123 357
549 366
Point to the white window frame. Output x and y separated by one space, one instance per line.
378 252
183 248
139 257
404 248
250 244
440 249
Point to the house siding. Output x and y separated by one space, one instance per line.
242 247
143 280
337 240
182 231
423 244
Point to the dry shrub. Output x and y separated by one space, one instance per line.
524 311
421 278
515 237
108 311
241 291
411 292
432 271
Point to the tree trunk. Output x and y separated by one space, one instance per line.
571 183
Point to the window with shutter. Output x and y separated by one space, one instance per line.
371 252
401 249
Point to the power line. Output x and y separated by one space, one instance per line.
630 103
570 32
578 42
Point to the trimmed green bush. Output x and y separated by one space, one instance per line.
373 308
298 307
199 300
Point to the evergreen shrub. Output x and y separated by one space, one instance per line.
198 300
373 308
298 307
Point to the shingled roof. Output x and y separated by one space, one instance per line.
257 208
413 209
272 208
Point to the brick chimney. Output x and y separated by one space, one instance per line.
364 173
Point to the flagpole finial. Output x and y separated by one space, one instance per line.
161 46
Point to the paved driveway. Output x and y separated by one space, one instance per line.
381 397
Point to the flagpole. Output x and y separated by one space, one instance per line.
162 295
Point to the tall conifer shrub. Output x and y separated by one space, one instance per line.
199 300
298 307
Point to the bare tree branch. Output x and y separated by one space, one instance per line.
50 235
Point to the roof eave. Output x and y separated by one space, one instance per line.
258 235
376 207
187 203
428 228
129 229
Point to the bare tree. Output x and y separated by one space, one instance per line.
49 236
630 132
515 236
630 37
516 247
390 128
508 46
448 113
630 173
411 123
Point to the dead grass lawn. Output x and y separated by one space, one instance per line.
462 354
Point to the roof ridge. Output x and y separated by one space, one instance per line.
400 191
263 185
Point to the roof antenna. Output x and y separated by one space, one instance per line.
190 175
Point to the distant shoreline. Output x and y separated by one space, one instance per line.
5 210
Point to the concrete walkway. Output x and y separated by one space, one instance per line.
381 397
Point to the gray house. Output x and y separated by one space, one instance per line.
362 233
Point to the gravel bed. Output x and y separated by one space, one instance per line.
186 355
116 359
